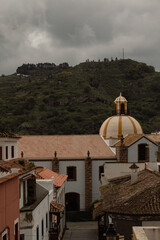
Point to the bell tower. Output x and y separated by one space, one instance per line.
121 105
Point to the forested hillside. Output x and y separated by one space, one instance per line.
50 99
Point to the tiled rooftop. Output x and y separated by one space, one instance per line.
132 138
45 173
66 146
21 164
141 198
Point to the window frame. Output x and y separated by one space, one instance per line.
46 220
74 173
42 228
12 151
6 152
101 167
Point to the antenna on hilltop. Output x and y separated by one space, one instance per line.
123 53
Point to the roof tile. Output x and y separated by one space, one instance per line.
66 146
45 173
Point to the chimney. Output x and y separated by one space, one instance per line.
134 173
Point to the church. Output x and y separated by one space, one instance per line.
83 157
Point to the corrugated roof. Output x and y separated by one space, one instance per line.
45 173
141 198
66 146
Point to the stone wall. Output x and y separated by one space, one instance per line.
88 182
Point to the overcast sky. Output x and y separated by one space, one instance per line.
72 31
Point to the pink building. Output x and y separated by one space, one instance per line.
9 207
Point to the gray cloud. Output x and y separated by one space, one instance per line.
73 31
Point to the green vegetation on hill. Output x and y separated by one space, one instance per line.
76 100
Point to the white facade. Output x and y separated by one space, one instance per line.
96 179
77 186
9 148
133 150
59 198
113 170
34 218
30 221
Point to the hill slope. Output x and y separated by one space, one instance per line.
76 100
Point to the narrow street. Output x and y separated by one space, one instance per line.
81 230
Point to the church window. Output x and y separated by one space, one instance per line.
12 151
143 152
0 153
6 152
37 233
71 172
101 170
122 108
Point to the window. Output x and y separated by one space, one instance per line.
22 237
5 237
6 152
16 231
12 151
46 220
0 153
37 233
42 228
143 152
71 172
122 108
5 234
101 170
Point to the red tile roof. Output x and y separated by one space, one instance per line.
21 164
56 207
45 173
66 146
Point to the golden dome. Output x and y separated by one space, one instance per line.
120 124
115 126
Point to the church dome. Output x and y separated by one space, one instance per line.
120 124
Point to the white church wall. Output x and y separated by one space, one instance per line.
8 142
44 163
113 170
133 150
95 178
77 186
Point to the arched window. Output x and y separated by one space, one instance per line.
143 152
122 108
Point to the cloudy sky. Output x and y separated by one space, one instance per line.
72 31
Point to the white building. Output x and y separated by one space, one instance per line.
55 184
82 157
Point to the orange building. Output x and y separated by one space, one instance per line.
9 207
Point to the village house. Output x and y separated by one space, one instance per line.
57 218
9 205
131 200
